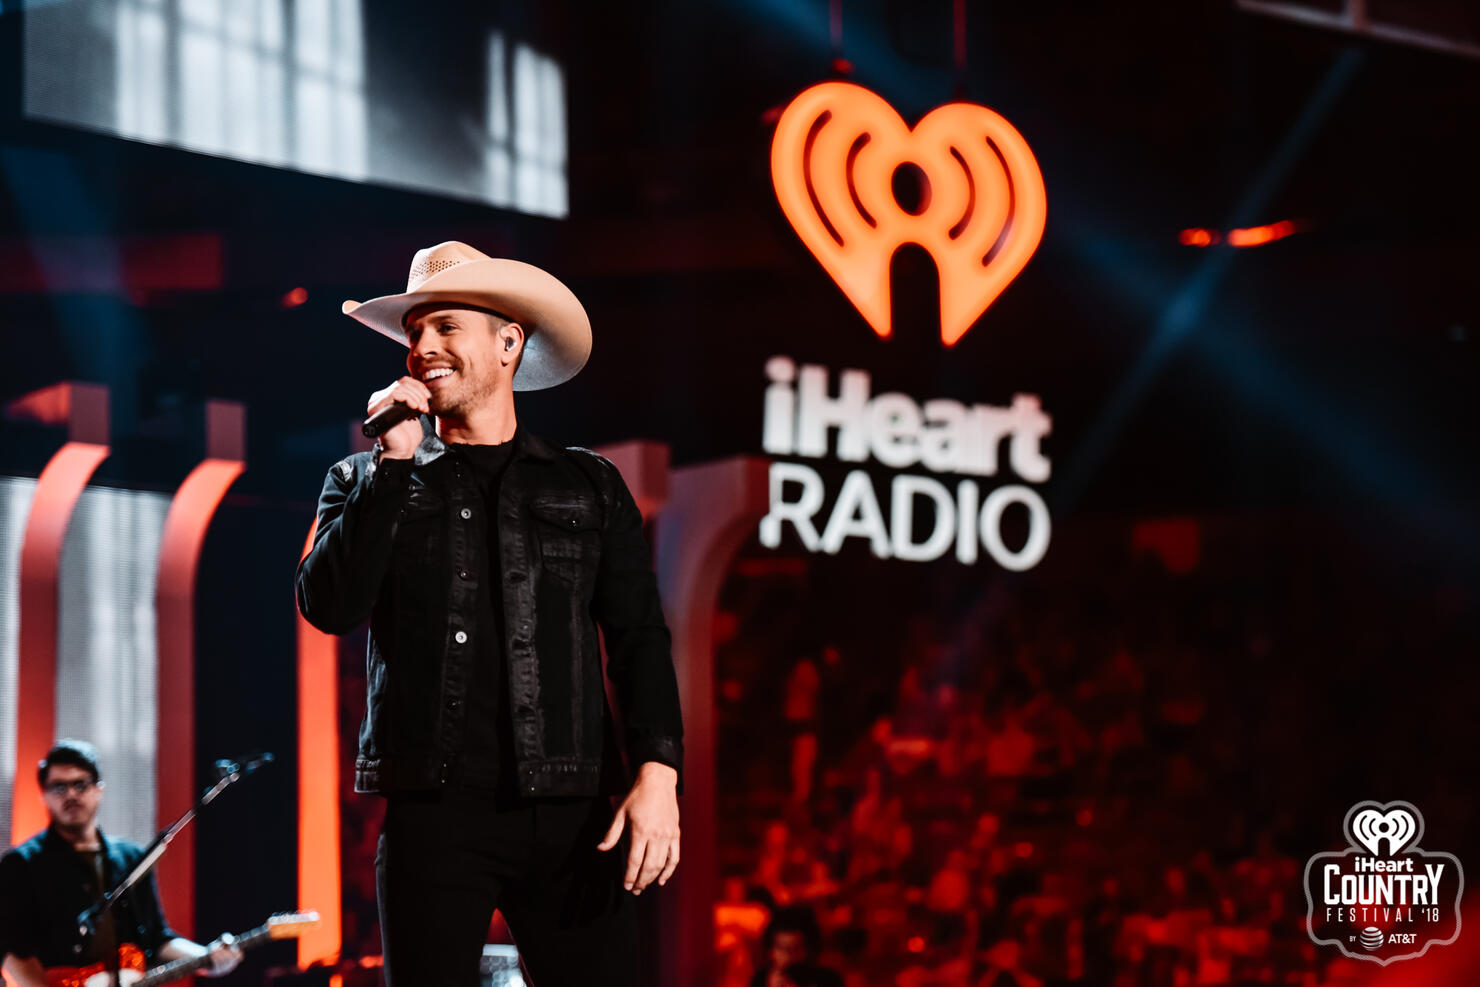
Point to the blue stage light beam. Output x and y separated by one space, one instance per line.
1189 305
1343 432
105 339
911 88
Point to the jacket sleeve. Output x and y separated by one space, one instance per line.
339 580
638 645
143 901
154 919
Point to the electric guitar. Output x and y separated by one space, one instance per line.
131 972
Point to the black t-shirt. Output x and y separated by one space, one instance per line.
487 724
105 941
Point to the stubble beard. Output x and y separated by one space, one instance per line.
463 402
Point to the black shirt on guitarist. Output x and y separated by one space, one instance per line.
45 885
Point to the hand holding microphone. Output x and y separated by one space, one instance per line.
386 419
405 399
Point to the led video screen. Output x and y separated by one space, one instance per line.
341 88
106 654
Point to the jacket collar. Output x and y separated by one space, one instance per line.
526 445
54 840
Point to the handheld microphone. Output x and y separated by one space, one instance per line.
386 419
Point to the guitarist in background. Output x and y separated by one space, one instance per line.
46 882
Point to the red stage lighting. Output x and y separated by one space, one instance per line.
1252 236
1255 236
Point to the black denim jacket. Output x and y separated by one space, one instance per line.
397 543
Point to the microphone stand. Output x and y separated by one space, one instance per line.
229 773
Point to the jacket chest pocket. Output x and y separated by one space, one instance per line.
420 527
569 533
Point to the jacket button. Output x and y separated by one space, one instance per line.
453 704
465 513
461 637
463 574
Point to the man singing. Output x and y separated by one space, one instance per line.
51 879
485 560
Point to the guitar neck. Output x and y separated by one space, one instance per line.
179 969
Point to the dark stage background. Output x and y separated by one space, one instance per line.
1259 603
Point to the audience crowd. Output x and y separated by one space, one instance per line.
1102 776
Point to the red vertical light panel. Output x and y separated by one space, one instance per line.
711 510
84 409
185 525
320 885
318 788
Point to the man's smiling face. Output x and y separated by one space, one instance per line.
457 352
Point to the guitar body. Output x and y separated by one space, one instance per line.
130 971
131 959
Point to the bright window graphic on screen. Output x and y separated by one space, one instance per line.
327 87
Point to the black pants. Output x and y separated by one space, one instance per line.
446 862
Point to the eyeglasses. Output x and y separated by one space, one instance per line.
79 786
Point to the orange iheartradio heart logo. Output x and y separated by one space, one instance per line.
981 214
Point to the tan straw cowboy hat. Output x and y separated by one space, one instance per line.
557 329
